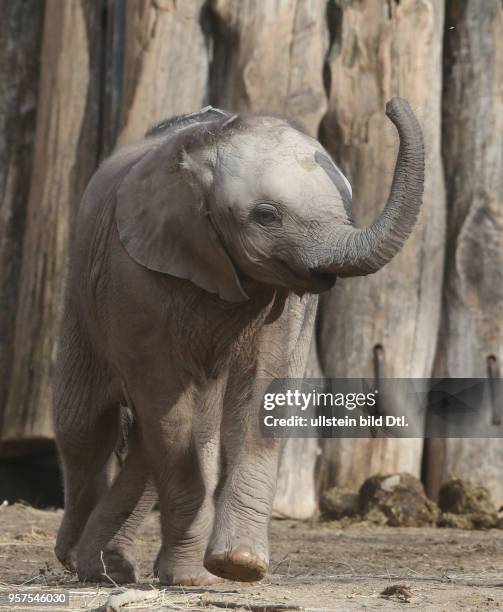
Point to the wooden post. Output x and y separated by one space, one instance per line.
379 49
20 42
166 63
65 156
471 338
268 56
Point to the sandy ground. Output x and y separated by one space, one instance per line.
314 567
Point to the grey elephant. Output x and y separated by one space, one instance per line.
194 270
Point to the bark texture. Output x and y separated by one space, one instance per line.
471 337
64 158
380 49
166 63
268 56
20 42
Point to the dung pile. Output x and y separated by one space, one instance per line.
397 500
339 503
467 506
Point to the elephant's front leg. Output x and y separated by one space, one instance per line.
239 544
183 450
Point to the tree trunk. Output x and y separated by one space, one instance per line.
65 156
296 494
379 49
166 63
471 339
269 56
20 42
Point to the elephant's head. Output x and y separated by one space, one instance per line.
240 199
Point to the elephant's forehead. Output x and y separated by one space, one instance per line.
278 143
281 149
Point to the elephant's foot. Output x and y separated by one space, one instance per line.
240 564
196 577
66 558
176 573
108 568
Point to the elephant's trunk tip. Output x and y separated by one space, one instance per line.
368 250
397 105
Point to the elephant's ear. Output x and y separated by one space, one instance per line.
164 224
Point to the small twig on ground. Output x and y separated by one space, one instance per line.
104 573
28 580
93 600
273 570
338 563
288 570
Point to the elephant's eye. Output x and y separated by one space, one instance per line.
267 214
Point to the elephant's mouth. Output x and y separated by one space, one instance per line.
310 281
322 281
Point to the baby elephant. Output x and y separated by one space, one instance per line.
197 257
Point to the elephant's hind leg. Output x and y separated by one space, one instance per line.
107 540
86 424
182 454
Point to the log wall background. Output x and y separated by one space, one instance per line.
471 334
20 44
81 76
395 51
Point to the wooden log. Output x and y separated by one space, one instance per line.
166 63
471 338
269 57
20 41
65 156
379 49
296 491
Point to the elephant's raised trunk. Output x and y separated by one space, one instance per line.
358 252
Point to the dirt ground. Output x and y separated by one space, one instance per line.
314 567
